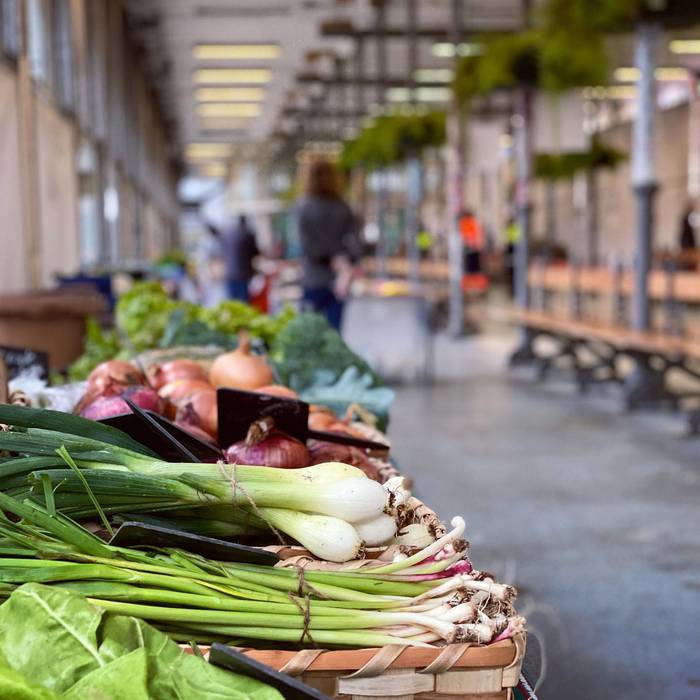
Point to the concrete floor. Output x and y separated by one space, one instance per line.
593 513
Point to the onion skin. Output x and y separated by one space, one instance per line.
174 370
276 450
201 410
195 431
114 372
240 369
283 392
320 452
109 405
321 420
179 390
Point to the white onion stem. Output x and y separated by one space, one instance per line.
456 533
376 531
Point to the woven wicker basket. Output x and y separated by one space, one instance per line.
457 671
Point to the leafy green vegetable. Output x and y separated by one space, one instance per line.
72 650
180 332
309 345
16 686
151 319
143 312
351 388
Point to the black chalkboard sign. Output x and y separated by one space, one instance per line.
19 360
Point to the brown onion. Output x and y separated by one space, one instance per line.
283 392
179 390
114 372
277 449
320 452
321 420
176 369
195 431
240 369
200 410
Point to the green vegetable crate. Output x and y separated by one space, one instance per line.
457 671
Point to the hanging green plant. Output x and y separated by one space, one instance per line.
617 15
555 61
391 138
566 48
564 166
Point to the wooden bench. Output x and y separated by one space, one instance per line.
592 333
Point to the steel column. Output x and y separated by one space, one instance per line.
455 193
643 176
523 165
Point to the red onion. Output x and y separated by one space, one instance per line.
320 452
112 404
275 449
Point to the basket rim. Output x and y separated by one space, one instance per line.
503 654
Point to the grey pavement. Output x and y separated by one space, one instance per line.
594 514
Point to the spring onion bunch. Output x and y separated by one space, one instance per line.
332 509
419 600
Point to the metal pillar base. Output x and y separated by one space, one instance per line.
646 385
524 354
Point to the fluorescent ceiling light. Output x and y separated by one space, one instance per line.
229 109
213 170
230 94
223 123
421 94
223 76
685 46
630 74
235 52
208 150
444 49
433 75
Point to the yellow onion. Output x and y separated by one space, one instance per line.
240 369
201 411
175 370
283 392
180 390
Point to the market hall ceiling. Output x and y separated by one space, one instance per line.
242 71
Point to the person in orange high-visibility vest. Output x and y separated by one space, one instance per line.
473 242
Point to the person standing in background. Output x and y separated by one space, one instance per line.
687 243
512 236
240 249
330 242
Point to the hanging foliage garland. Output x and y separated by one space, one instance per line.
564 166
618 15
390 139
566 50
555 61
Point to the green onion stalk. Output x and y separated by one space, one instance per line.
83 476
193 598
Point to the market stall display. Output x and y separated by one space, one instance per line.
354 561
